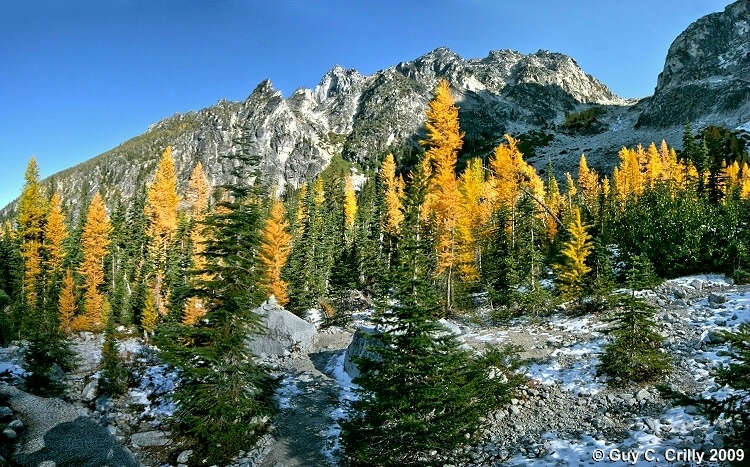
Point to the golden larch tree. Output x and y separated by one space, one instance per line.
162 202
744 182
575 251
275 247
197 196
149 317
31 220
67 304
555 203
443 142
473 219
55 234
94 243
588 181
350 203
394 195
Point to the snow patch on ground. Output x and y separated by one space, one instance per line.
347 394
572 368
286 391
157 384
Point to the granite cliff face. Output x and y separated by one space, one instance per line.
706 77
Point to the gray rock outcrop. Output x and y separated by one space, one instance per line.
57 433
284 332
363 338
706 76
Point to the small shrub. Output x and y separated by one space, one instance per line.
585 121
741 277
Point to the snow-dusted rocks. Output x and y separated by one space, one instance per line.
284 332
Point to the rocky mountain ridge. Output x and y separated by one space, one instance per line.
706 77
363 117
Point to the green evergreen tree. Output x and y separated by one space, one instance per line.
633 353
11 274
370 241
422 393
114 375
640 273
224 397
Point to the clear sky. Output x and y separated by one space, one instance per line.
78 77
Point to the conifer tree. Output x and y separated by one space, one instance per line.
162 202
350 203
113 375
471 219
554 202
150 317
443 141
55 234
575 251
275 247
312 257
11 284
197 196
31 219
94 240
373 245
402 414
224 399
394 195
588 180
633 353
67 303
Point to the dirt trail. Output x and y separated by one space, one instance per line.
305 417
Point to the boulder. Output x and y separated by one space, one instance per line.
90 390
150 439
363 337
717 298
184 456
450 326
284 331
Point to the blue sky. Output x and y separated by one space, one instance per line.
78 77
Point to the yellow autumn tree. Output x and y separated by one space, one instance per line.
66 304
443 142
588 181
197 196
275 247
149 317
94 243
575 251
474 215
394 195
744 182
627 177
31 220
162 202
55 233
350 203
555 203
510 175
